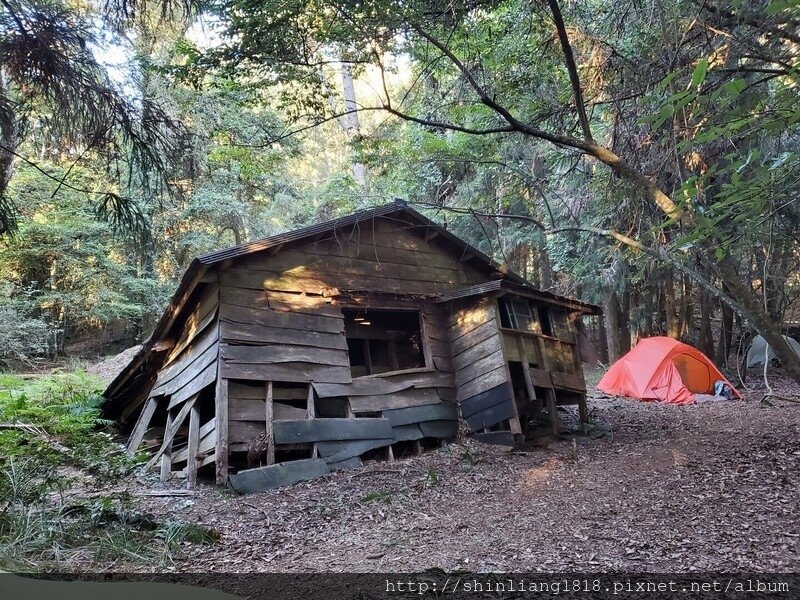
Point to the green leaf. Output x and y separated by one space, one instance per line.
777 6
700 71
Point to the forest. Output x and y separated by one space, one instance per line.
641 156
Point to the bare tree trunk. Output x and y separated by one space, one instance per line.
672 320
352 127
650 301
545 269
725 335
625 322
706 335
617 332
685 309
602 339
755 313
9 138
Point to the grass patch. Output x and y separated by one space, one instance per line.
54 450
377 497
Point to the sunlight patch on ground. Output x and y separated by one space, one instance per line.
536 476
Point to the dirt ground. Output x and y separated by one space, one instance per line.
706 487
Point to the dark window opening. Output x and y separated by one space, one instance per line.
518 313
377 454
547 325
290 394
429 443
337 407
379 341
555 323
294 452
560 323
406 449
374 414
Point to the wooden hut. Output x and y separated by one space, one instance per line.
367 335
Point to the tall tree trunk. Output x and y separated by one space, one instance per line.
725 335
352 127
9 138
625 322
617 332
545 269
754 312
685 309
672 320
651 301
706 335
602 339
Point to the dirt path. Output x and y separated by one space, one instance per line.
705 487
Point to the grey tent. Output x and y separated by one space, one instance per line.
758 350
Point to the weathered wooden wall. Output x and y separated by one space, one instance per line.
281 321
483 383
189 368
379 256
267 331
279 336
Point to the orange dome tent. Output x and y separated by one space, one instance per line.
664 369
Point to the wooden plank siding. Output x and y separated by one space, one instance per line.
477 348
279 323
189 367
266 327
186 369
383 257
268 341
483 381
276 325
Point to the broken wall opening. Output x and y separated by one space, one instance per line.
383 341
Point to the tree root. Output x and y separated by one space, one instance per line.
766 398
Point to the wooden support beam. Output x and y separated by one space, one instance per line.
552 409
221 416
163 345
166 450
193 445
427 340
137 435
173 424
526 371
269 420
206 443
583 410
417 448
312 414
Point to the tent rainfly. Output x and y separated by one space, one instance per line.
662 369
759 350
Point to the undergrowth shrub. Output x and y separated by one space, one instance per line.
54 449
24 336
